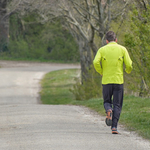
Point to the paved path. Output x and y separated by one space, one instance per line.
27 125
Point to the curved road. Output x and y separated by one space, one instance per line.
25 124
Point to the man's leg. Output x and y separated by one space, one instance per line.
117 103
107 96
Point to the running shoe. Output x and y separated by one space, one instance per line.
108 119
114 130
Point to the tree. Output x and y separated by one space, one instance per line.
7 8
86 18
137 40
22 7
4 25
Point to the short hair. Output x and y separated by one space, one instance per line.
110 36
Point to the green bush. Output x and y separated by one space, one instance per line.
89 88
30 39
137 42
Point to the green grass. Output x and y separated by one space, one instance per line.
56 85
135 114
37 60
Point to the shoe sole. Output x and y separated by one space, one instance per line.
115 132
108 122
108 119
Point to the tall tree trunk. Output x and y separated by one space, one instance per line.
92 45
85 58
4 25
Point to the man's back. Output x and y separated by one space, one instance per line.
112 56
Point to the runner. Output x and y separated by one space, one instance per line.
108 63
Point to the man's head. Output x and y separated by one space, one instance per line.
110 36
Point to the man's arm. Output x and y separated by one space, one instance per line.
96 63
128 62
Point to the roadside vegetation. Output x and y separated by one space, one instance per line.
31 40
56 90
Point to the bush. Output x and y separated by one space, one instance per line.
137 42
90 88
33 40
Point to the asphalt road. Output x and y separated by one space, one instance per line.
25 124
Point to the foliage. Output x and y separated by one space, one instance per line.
30 39
135 115
56 85
89 88
137 41
60 42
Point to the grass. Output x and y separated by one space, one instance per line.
136 115
37 60
56 87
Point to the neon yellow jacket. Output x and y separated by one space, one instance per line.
109 63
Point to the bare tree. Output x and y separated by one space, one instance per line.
83 33
83 18
92 15
4 24
22 7
7 8
142 4
88 17
101 13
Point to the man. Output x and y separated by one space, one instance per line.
108 63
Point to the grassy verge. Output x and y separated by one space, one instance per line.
56 85
135 113
37 60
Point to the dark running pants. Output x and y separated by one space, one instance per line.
113 99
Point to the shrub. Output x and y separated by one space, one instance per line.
89 88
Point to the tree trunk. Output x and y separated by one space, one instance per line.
92 45
4 25
85 59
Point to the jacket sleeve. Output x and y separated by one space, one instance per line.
128 62
96 63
